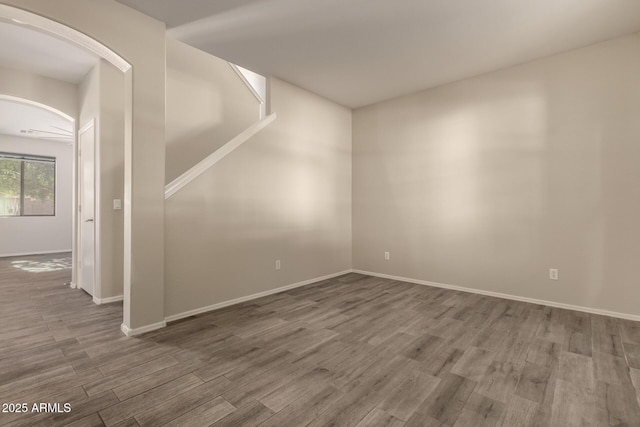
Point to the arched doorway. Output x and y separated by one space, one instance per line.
37 23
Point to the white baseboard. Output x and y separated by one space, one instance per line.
59 251
130 332
108 300
251 297
602 312
137 331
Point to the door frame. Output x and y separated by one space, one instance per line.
97 288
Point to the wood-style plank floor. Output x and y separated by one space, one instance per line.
351 351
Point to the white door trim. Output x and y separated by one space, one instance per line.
97 289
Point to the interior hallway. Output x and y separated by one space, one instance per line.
350 351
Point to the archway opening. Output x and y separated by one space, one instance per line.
39 24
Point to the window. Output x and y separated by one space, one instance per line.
27 185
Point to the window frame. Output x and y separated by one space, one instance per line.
34 158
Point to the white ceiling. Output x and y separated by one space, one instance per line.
26 49
357 52
26 120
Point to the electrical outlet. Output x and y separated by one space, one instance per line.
387 256
553 273
117 204
277 264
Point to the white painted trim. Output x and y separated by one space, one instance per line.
599 311
126 330
174 186
108 300
247 83
251 297
72 285
141 330
56 29
34 253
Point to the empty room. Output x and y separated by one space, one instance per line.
319 213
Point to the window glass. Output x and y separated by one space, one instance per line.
9 187
39 188
27 185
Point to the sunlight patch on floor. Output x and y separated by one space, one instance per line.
31 266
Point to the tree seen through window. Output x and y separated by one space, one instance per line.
27 185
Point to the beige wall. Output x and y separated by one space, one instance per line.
112 109
207 105
285 194
89 97
141 41
102 98
489 182
54 93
